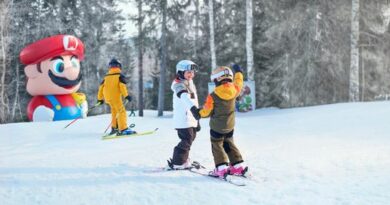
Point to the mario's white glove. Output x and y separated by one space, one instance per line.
42 113
84 109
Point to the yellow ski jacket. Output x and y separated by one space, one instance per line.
113 87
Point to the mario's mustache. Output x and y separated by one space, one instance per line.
63 82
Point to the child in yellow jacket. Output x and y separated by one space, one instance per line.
111 91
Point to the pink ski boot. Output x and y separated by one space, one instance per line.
238 169
221 171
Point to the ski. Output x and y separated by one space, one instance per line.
197 168
247 176
231 179
166 169
114 136
194 165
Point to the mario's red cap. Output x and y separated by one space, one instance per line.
51 47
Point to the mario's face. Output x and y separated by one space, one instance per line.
54 76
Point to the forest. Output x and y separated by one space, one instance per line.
298 52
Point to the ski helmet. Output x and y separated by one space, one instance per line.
114 63
183 66
221 74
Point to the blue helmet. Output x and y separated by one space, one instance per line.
183 66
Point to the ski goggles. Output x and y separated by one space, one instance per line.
192 67
226 73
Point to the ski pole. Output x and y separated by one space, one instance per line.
116 116
109 125
97 104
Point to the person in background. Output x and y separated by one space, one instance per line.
111 91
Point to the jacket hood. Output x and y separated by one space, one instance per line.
226 91
114 70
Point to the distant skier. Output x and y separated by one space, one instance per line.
185 99
111 91
220 106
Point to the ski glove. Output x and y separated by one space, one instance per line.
195 112
237 68
198 127
128 98
100 102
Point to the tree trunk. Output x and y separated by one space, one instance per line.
212 43
140 62
163 55
17 99
196 29
249 32
354 67
4 7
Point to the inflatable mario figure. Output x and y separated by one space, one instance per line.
53 77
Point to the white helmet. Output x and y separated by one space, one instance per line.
183 66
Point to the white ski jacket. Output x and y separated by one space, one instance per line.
184 97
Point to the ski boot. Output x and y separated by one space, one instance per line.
113 131
185 165
126 131
221 171
238 169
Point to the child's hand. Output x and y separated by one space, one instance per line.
99 102
128 98
195 112
237 68
198 127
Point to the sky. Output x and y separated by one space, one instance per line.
129 8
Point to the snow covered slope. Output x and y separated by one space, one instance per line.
331 154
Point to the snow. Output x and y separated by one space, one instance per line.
330 154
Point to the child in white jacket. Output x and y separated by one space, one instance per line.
185 102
